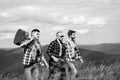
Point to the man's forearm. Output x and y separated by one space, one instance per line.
53 56
26 42
43 58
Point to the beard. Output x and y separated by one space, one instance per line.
73 39
61 41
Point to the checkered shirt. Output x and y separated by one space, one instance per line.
69 53
28 58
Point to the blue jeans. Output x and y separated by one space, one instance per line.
31 72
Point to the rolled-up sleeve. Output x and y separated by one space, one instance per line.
77 51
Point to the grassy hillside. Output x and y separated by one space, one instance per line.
85 72
14 56
98 64
9 58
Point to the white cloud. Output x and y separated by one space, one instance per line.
83 20
65 20
96 21
8 32
50 15
24 27
6 36
30 8
79 19
13 28
83 31
102 1
5 14
73 19
21 11
58 28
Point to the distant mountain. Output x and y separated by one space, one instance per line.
11 59
105 48
95 56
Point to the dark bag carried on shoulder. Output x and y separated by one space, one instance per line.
20 36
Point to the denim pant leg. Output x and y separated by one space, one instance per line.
27 72
51 71
73 69
35 72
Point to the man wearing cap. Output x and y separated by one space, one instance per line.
72 53
56 51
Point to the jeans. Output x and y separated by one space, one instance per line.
73 70
31 72
56 68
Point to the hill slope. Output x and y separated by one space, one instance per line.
105 48
13 57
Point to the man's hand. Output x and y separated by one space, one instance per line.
47 66
32 38
81 59
55 59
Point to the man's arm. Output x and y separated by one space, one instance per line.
25 42
78 54
38 46
50 51
43 58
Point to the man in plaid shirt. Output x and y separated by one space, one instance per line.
72 53
32 56
56 51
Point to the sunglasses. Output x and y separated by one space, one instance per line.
62 36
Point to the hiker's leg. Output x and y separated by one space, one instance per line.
63 75
27 72
67 71
73 69
51 71
35 72
64 69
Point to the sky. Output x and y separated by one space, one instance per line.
96 21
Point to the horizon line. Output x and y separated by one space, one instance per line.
77 44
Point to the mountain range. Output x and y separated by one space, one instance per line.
11 59
109 48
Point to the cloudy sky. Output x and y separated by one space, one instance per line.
96 21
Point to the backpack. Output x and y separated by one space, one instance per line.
20 36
